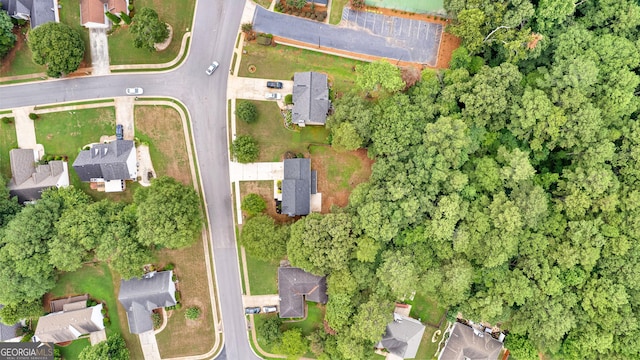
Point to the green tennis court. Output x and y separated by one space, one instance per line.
414 6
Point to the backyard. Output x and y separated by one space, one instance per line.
167 145
178 14
274 139
280 62
432 315
8 141
98 281
313 321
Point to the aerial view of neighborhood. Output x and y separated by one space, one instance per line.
319 179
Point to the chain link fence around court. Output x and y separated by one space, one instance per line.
414 6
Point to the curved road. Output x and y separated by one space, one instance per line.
213 38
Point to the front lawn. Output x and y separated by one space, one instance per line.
184 337
66 133
280 62
98 281
70 15
19 60
263 276
72 351
274 139
167 145
8 141
178 14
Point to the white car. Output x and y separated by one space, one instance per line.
273 96
214 65
134 91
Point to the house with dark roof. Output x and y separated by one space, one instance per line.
9 333
37 12
466 342
75 320
29 179
402 336
107 166
299 183
310 98
140 296
295 286
92 12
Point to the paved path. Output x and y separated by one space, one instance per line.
25 130
149 345
416 41
99 51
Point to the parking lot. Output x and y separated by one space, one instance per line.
420 37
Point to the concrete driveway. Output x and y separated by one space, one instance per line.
261 300
99 51
381 36
255 89
256 171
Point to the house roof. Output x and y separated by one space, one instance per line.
402 336
310 98
69 325
38 11
105 161
28 180
296 187
467 343
139 296
8 332
92 11
294 285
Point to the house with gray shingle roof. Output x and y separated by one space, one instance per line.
402 336
108 165
295 286
299 183
310 99
75 320
140 296
37 12
465 342
29 179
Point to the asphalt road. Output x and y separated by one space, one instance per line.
213 38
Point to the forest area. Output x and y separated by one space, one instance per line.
506 187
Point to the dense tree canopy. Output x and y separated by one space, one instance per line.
7 37
57 46
114 348
148 29
168 214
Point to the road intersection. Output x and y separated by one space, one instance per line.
214 34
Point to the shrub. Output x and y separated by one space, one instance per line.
169 266
263 40
288 99
253 204
104 311
245 149
178 306
178 296
125 18
130 8
113 17
192 313
270 329
34 116
357 4
157 320
7 120
247 111
106 321
247 27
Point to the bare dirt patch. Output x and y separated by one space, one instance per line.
162 128
339 174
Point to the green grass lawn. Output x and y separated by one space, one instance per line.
66 133
97 281
8 141
273 138
72 351
70 15
315 315
264 3
178 14
280 62
340 167
336 11
416 6
426 310
22 62
427 348
263 276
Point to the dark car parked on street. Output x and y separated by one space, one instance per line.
274 84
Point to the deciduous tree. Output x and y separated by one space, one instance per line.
148 29
7 37
56 46
245 149
262 238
